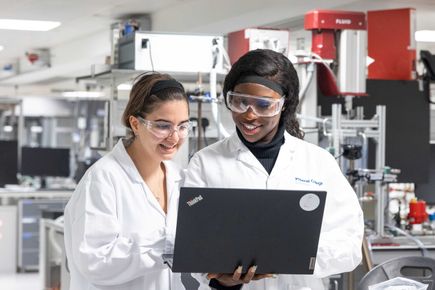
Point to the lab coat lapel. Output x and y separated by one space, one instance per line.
243 154
121 155
173 179
285 155
172 176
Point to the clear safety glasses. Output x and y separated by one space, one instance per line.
262 106
162 129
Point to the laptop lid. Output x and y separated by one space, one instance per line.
219 229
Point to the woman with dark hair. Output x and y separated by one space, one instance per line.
267 152
122 215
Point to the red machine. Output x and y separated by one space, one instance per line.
391 44
325 23
339 37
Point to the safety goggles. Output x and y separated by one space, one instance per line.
162 129
262 106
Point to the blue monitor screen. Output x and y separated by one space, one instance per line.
40 161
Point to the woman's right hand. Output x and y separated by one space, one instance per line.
237 278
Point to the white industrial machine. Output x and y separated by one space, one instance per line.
148 51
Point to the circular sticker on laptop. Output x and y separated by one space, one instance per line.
309 202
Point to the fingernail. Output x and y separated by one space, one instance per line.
254 268
239 269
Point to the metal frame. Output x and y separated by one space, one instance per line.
373 128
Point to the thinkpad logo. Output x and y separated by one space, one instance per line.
194 201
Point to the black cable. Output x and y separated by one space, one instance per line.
205 139
151 56
427 87
194 149
204 124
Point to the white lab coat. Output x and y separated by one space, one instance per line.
116 231
300 165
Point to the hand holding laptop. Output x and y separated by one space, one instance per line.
237 278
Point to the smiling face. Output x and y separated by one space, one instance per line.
253 127
175 112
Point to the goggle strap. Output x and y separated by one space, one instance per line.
262 81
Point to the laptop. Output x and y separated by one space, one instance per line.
219 229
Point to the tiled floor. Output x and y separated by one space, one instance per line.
20 281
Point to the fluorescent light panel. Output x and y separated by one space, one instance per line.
83 94
425 36
124 87
29 25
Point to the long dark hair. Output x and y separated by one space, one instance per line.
275 67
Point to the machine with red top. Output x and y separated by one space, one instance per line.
339 38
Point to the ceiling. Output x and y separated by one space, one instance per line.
79 18
84 35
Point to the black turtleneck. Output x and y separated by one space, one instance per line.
266 153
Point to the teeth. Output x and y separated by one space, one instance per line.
168 147
249 127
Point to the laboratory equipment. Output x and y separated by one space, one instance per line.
417 212
393 53
9 162
53 266
8 239
339 41
43 162
242 41
29 215
428 60
165 52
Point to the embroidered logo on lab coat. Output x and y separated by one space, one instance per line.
308 181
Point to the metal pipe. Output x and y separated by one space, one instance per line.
380 164
221 131
336 125
199 113
365 150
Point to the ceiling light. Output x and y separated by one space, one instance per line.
83 94
1 47
425 36
30 25
124 87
